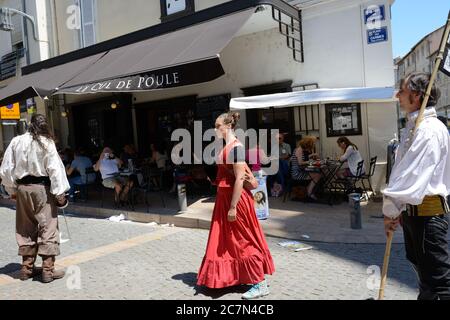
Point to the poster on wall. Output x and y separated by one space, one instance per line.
10 112
343 119
31 106
261 199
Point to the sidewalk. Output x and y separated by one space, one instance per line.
313 222
290 220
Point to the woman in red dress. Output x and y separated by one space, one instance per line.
237 251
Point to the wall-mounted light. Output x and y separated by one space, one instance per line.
114 105
64 114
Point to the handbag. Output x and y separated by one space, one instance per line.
250 183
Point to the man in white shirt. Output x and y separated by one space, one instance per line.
34 175
418 188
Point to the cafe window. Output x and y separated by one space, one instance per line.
173 9
343 120
308 120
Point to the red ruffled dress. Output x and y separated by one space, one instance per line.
237 252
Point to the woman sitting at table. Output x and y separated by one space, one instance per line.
109 165
350 157
300 160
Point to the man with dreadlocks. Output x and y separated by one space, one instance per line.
34 175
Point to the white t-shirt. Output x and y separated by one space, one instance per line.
109 168
353 157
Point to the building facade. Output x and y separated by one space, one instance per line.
341 44
422 58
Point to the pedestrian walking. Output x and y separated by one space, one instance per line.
416 196
34 174
237 252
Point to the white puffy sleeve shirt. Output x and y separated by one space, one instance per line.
422 170
25 157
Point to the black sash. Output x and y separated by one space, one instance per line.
34 180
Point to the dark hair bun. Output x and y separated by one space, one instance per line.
236 117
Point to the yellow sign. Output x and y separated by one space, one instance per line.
10 112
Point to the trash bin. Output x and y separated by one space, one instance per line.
182 198
354 201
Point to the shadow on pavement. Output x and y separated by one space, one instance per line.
190 279
11 270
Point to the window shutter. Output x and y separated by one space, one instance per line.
88 22
16 34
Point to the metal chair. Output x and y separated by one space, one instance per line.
150 175
348 185
369 175
107 190
358 178
83 189
291 183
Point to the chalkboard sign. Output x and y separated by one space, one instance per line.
209 108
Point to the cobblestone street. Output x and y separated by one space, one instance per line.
108 260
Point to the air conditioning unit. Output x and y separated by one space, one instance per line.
5 20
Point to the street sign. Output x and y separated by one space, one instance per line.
377 35
374 13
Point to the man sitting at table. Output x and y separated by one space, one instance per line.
79 165
283 158
299 162
108 165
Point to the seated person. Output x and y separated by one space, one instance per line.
79 165
300 160
109 165
255 157
283 157
351 157
159 156
129 153
199 178
66 156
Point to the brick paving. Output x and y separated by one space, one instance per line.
141 261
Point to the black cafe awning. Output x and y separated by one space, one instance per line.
183 57
43 83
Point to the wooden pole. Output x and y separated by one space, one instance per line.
387 255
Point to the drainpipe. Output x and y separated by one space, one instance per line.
55 28
364 78
25 32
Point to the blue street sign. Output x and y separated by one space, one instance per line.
377 35
374 13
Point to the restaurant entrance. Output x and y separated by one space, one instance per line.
95 124
157 120
281 119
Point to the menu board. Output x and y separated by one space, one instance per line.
343 119
209 108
